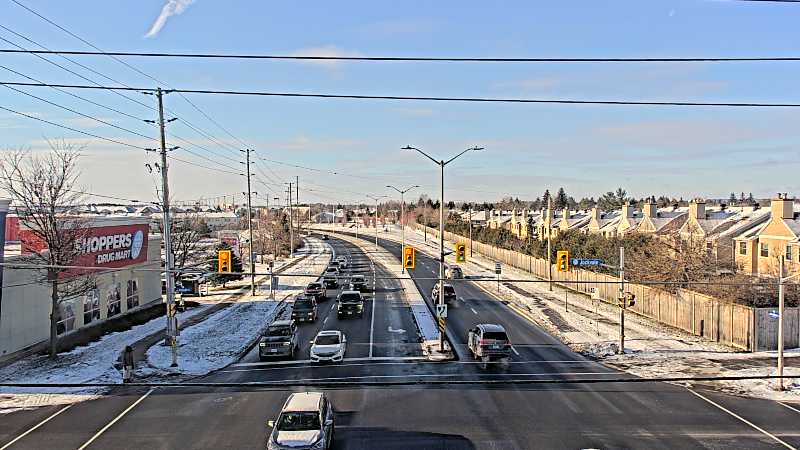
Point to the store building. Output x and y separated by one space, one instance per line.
122 245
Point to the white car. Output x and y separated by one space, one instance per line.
328 345
305 422
342 262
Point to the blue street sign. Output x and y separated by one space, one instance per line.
773 314
585 262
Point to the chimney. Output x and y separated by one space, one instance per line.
596 214
565 212
697 209
650 209
514 215
782 207
627 211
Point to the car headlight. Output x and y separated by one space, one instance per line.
262 344
286 344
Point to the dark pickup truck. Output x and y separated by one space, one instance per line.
349 304
316 290
304 309
280 340
358 283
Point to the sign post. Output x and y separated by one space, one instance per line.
498 269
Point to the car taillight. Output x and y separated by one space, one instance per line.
482 342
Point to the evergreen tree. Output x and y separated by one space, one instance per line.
561 199
546 198
732 198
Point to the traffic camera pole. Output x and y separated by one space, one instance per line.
624 302
441 252
250 226
402 219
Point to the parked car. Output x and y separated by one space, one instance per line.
342 262
316 290
306 421
449 293
280 339
488 341
349 304
328 345
358 283
304 309
454 272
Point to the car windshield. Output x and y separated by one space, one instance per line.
303 303
327 339
495 336
449 290
281 330
349 298
314 286
358 279
299 421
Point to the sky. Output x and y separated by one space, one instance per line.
356 145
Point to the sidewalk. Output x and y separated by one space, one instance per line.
592 328
424 319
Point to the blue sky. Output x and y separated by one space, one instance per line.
586 149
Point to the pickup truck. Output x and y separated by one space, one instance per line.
358 283
304 309
488 341
316 290
280 339
349 304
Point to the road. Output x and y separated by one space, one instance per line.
513 416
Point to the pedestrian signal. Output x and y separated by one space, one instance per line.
224 261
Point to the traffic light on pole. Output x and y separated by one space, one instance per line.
562 261
409 257
461 252
224 261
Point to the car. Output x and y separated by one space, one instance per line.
304 309
306 421
449 293
280 339
324 237
328 346
454 272
488 341
342 262
316 290
334 264
358 283
349 304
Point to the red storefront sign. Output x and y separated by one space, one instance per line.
108 246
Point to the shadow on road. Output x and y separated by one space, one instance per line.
386 439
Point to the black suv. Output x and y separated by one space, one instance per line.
280 339
304 309
358 283
349 304
316 290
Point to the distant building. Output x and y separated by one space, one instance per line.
758 248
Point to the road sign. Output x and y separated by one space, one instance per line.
441 311
562 261
595 293
584 262
498 268
773 314
224 261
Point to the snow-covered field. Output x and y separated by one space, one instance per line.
651 349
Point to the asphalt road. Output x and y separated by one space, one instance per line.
513 416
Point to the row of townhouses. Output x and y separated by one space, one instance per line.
749 236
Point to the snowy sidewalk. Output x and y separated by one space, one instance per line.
592 327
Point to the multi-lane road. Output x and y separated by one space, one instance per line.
382 346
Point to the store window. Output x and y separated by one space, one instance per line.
113 300
65 317
743 248
764 250
132 294
91 306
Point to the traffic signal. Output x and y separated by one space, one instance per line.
627 300
562 261
461 252
224 261
409 257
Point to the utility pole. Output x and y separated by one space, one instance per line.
376 217
549 242
402 219
470 231
291 226
250 224
441 164
781 311
624 302
171 338
297 201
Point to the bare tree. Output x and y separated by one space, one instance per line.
187 229
43 189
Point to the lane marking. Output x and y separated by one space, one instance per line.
36 426
780 403
381 361
473 310
765 432
372 320
324 321
116 419
514 350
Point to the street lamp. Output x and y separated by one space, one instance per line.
441 165
402 217
376 216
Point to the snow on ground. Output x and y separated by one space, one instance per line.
224 336
651 349
93 363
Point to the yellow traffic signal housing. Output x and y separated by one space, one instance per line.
562 261
224 261
461 252
409 257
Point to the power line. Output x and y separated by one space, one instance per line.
424 58
72 129
435 99
204 166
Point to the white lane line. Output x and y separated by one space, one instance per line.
333 306
765 432
36 426
384 360
372 320
780 403
473 310
116 419
514 350
325 321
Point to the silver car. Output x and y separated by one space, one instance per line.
305 422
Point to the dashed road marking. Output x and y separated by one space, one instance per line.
473 310
780 403
514 350
36 426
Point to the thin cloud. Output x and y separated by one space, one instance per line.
171 8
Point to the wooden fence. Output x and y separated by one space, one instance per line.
741 327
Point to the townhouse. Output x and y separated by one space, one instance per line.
757 249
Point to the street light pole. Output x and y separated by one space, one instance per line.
402 218
441 164
781 310
376 216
